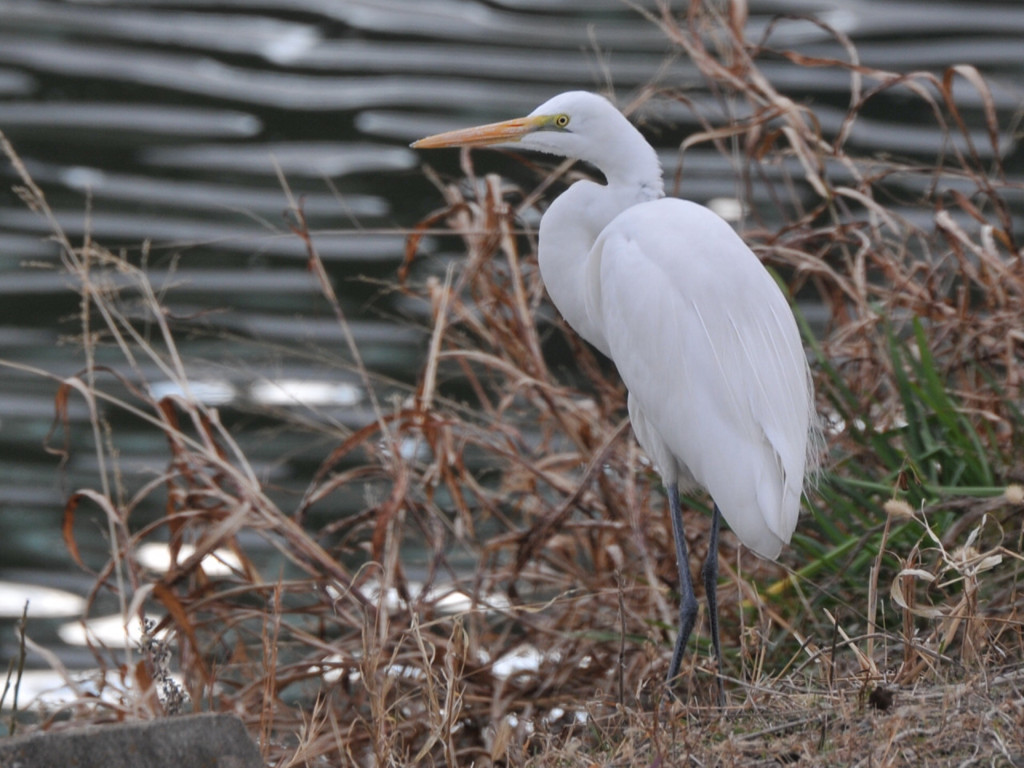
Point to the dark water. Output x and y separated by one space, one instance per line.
172 123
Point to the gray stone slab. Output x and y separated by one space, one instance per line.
189 741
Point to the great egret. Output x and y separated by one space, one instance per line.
720 394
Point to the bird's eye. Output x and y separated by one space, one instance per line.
562 121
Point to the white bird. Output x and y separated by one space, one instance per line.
720 394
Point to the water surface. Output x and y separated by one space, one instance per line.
164 129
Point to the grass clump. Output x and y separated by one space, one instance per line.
536 630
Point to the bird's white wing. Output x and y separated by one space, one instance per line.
709 350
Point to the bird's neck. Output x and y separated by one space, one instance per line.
635 167
574 221
568 231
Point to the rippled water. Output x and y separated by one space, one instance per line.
172 123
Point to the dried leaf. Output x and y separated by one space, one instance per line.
898 597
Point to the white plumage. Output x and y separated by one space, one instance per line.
720 395
718 390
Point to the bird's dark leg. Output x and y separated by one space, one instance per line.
687 599
710 574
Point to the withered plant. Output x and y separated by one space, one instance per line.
536 627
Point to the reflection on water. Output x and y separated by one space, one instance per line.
158 557
117 122
166 128
107 631
47 689
43 602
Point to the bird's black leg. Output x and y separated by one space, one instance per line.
710 574
687 599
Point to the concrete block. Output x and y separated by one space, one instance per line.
191 741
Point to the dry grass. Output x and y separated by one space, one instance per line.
909 567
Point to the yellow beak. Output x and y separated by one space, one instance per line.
483 135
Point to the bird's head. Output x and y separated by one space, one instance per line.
577 124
